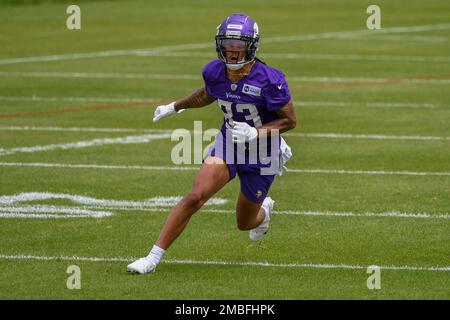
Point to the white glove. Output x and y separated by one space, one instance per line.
286 154
242 132
165 111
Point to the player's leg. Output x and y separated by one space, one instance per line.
210 179
212 176
249 214
254 208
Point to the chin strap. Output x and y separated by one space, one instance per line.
237 66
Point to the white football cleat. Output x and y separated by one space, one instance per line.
142 265
258 232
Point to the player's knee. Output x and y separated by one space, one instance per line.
194 200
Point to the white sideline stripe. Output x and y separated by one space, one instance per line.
224 263
298 103
366 104
300 135
311 56
164 208
74 129
397 38
102 203
12 215
9 209
107 53
194 168
101 75
303 37
49 212
365 136
389 214
332 171
374 80
96 166
36 212
346 57
365 32
190 77
42 213
87 143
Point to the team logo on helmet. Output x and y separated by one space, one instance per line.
255 30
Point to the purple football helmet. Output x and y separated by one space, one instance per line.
237 40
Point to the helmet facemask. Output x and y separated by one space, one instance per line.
236 52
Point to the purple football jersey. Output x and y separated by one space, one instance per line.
254 99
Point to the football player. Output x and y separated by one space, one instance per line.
257 106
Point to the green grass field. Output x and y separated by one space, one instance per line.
372 141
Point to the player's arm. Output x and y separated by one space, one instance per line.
287 120
197 99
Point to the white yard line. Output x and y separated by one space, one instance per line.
367 80
9 200
364 32
103 54
365 172
38 211
106 75
153 205
14 206
194 168
26 257
97 166
355 57
298 135
49 212
405 38
87 143
99 75
388 214
77 129
310 56
13 215
302 103
365 136
302 37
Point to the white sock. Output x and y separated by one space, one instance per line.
156 254
266 213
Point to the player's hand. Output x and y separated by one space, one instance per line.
165 111
242 132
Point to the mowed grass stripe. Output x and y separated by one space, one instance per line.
223 263
170 48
